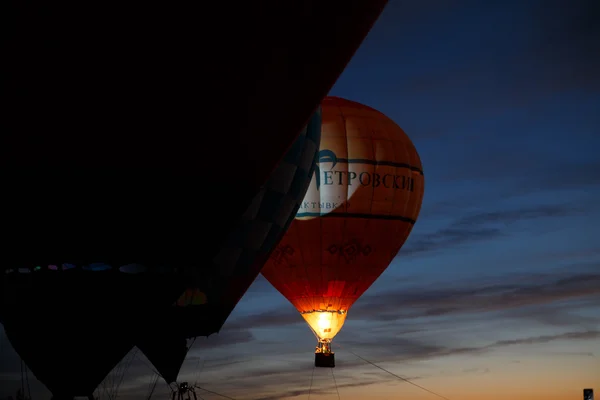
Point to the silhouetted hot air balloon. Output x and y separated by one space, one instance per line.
135 138
358 211
199 311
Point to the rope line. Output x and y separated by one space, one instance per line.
395 375
218 394
27 382
335 383
125 369
312 376
199 370
22 378
152 387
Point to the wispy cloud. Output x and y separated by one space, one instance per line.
269 318
473 299
526 172
227 337
480 227
278 395
548 338
468 297
398 350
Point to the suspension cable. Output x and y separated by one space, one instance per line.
199 370
125 369
27 382
22 378
2 345
151 368
312 376
218 394
394 375
335 383
152 387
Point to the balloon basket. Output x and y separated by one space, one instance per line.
325 360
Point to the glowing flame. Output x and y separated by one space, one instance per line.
325 324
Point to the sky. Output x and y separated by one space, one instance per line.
496 293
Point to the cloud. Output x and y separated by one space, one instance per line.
586 255
526 291
447 238
391 348
316 391
548 338
526 172
277 317
281 375
573 353
516 292
493 182
559 314
481 227
511 216
559 176
226 337
503 183
476 370
396 350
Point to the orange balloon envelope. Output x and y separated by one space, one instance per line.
359 210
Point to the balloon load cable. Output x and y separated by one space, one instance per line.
393 374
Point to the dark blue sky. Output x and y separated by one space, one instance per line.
498 288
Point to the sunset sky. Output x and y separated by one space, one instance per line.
496 294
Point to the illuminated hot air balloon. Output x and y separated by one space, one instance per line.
359 210
203 308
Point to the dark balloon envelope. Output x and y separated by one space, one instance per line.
69 322
140 135
205 305
360 208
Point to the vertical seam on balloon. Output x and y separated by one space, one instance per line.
344 229
358 275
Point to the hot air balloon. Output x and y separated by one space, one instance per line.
97 303
359 209
111 103
144 87
135 140
199 312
